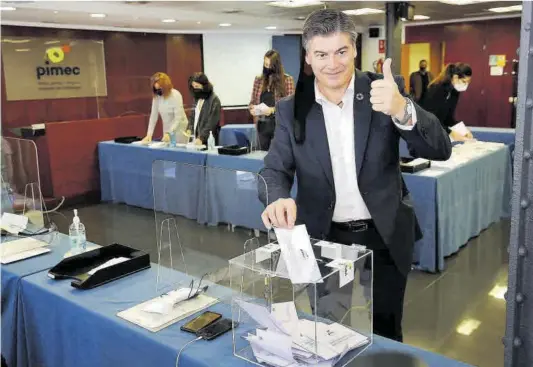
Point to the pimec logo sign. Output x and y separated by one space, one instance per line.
54 57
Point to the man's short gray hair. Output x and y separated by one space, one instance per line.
326 22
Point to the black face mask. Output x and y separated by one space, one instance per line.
200 93
267 71
423 68
158 91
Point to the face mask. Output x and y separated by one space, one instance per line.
267 71
422 68
460 87
158 91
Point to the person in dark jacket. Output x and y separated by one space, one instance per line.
443 94
205 117
419 82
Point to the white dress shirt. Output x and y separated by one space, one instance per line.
339 120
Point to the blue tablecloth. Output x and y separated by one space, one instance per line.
63 326
227 133
226 192
12 274
126 177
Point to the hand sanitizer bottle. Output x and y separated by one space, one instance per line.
211 141
76 232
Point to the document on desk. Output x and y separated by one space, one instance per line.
155 321
21 249
13 223
298 255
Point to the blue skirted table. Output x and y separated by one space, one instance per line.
452 203
63 326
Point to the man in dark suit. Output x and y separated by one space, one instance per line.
419 81
339 134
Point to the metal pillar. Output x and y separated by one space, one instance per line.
519 330
393 37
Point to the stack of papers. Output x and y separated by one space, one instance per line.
13 223
22 249
291 342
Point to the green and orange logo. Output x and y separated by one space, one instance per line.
56 55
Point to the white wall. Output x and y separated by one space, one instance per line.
231 62
370 48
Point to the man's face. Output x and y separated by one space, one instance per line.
332 59
423 65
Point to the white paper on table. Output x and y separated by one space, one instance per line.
261 109
298 255
285 313
156 321
346 270
114 261
416 162
21 249
13 223
261 315
265 252
460 128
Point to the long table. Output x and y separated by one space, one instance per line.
228 195
59 325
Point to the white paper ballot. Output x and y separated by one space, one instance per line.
264 356
261 109
346 270
285 313
114 261
330 250
261 315
13 223
460 128
298 255
276 343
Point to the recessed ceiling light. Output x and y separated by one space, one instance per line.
22 49
301 17
168 20
295 3
506 9
464 2
52 42
7 8
420 17
363 11
498 291
271 27
198 22
55 12
98 15
225 24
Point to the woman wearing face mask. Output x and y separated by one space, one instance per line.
272 85
168 103
443 94
206 114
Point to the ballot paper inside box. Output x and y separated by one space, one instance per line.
287 315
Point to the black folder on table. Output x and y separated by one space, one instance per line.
78 267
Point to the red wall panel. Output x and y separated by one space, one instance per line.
130 59
485 103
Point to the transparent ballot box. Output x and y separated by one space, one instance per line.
288 312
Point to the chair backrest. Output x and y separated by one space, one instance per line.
242 139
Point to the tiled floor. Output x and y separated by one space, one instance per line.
438 307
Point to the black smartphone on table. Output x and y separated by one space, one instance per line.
200 322
216 329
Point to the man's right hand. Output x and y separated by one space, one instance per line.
280 214
147 139
457 137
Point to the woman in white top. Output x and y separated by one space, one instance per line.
168 103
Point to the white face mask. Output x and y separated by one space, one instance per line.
460 87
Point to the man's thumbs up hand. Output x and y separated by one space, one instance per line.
385 96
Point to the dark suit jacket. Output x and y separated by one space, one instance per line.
209 118
441 100
377 166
